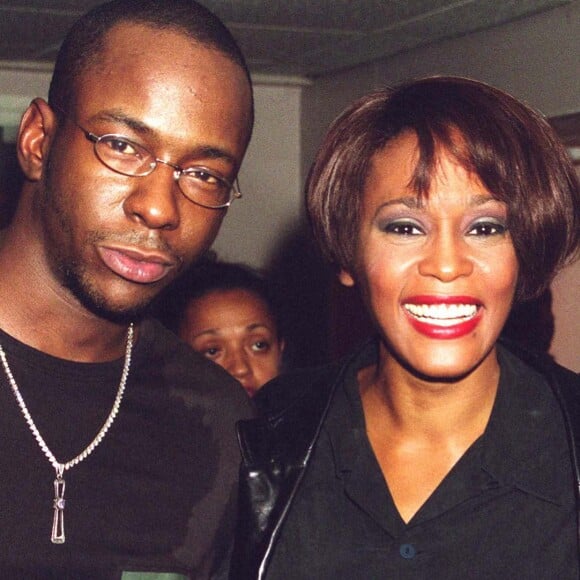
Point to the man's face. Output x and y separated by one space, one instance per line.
116 241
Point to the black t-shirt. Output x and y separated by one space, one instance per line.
506 510
156 496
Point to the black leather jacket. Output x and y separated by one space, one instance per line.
277 447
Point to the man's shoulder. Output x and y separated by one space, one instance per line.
162 358
160 348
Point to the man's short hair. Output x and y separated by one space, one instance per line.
85 40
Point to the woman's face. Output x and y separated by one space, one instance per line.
438 276
235 329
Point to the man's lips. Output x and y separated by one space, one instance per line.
443 316
135 265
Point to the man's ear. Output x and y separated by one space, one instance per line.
37 129
346 278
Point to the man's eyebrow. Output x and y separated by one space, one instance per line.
124 119
144 130
214 153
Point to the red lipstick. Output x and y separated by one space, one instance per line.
443 317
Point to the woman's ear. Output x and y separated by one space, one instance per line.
346 278
37 129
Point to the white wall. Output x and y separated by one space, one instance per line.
21 80
270 179
565 296
18 86
535 58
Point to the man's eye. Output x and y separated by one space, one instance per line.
203 177
487 228
123 147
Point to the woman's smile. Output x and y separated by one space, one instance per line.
443 317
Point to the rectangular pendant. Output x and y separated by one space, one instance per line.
57 536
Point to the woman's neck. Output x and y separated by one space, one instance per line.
401 402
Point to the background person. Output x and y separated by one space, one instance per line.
434 451
229 313
118 447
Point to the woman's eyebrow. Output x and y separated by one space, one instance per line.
479 199
415 203
411 201
258 325
208 332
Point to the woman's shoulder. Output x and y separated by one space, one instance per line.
564 383
541 362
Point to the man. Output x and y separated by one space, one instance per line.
118 451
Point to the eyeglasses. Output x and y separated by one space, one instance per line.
198 184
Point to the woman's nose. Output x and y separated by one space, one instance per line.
237 364
446 258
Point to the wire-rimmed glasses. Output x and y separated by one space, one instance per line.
199 184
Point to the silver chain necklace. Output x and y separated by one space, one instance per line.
57 536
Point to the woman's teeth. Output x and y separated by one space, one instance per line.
442 314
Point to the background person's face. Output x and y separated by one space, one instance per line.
235 329
117 241
438 277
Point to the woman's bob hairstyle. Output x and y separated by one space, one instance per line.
511 148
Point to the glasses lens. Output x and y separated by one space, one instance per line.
124 156
205 187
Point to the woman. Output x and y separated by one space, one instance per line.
228 313
435 451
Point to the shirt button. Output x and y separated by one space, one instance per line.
407 551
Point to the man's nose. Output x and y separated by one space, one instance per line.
154 200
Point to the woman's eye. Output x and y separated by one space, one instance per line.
261 346
403 229
487 228
211 352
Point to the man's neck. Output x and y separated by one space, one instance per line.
39 312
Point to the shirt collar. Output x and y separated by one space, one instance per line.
524 430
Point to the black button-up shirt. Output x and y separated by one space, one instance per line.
505 511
